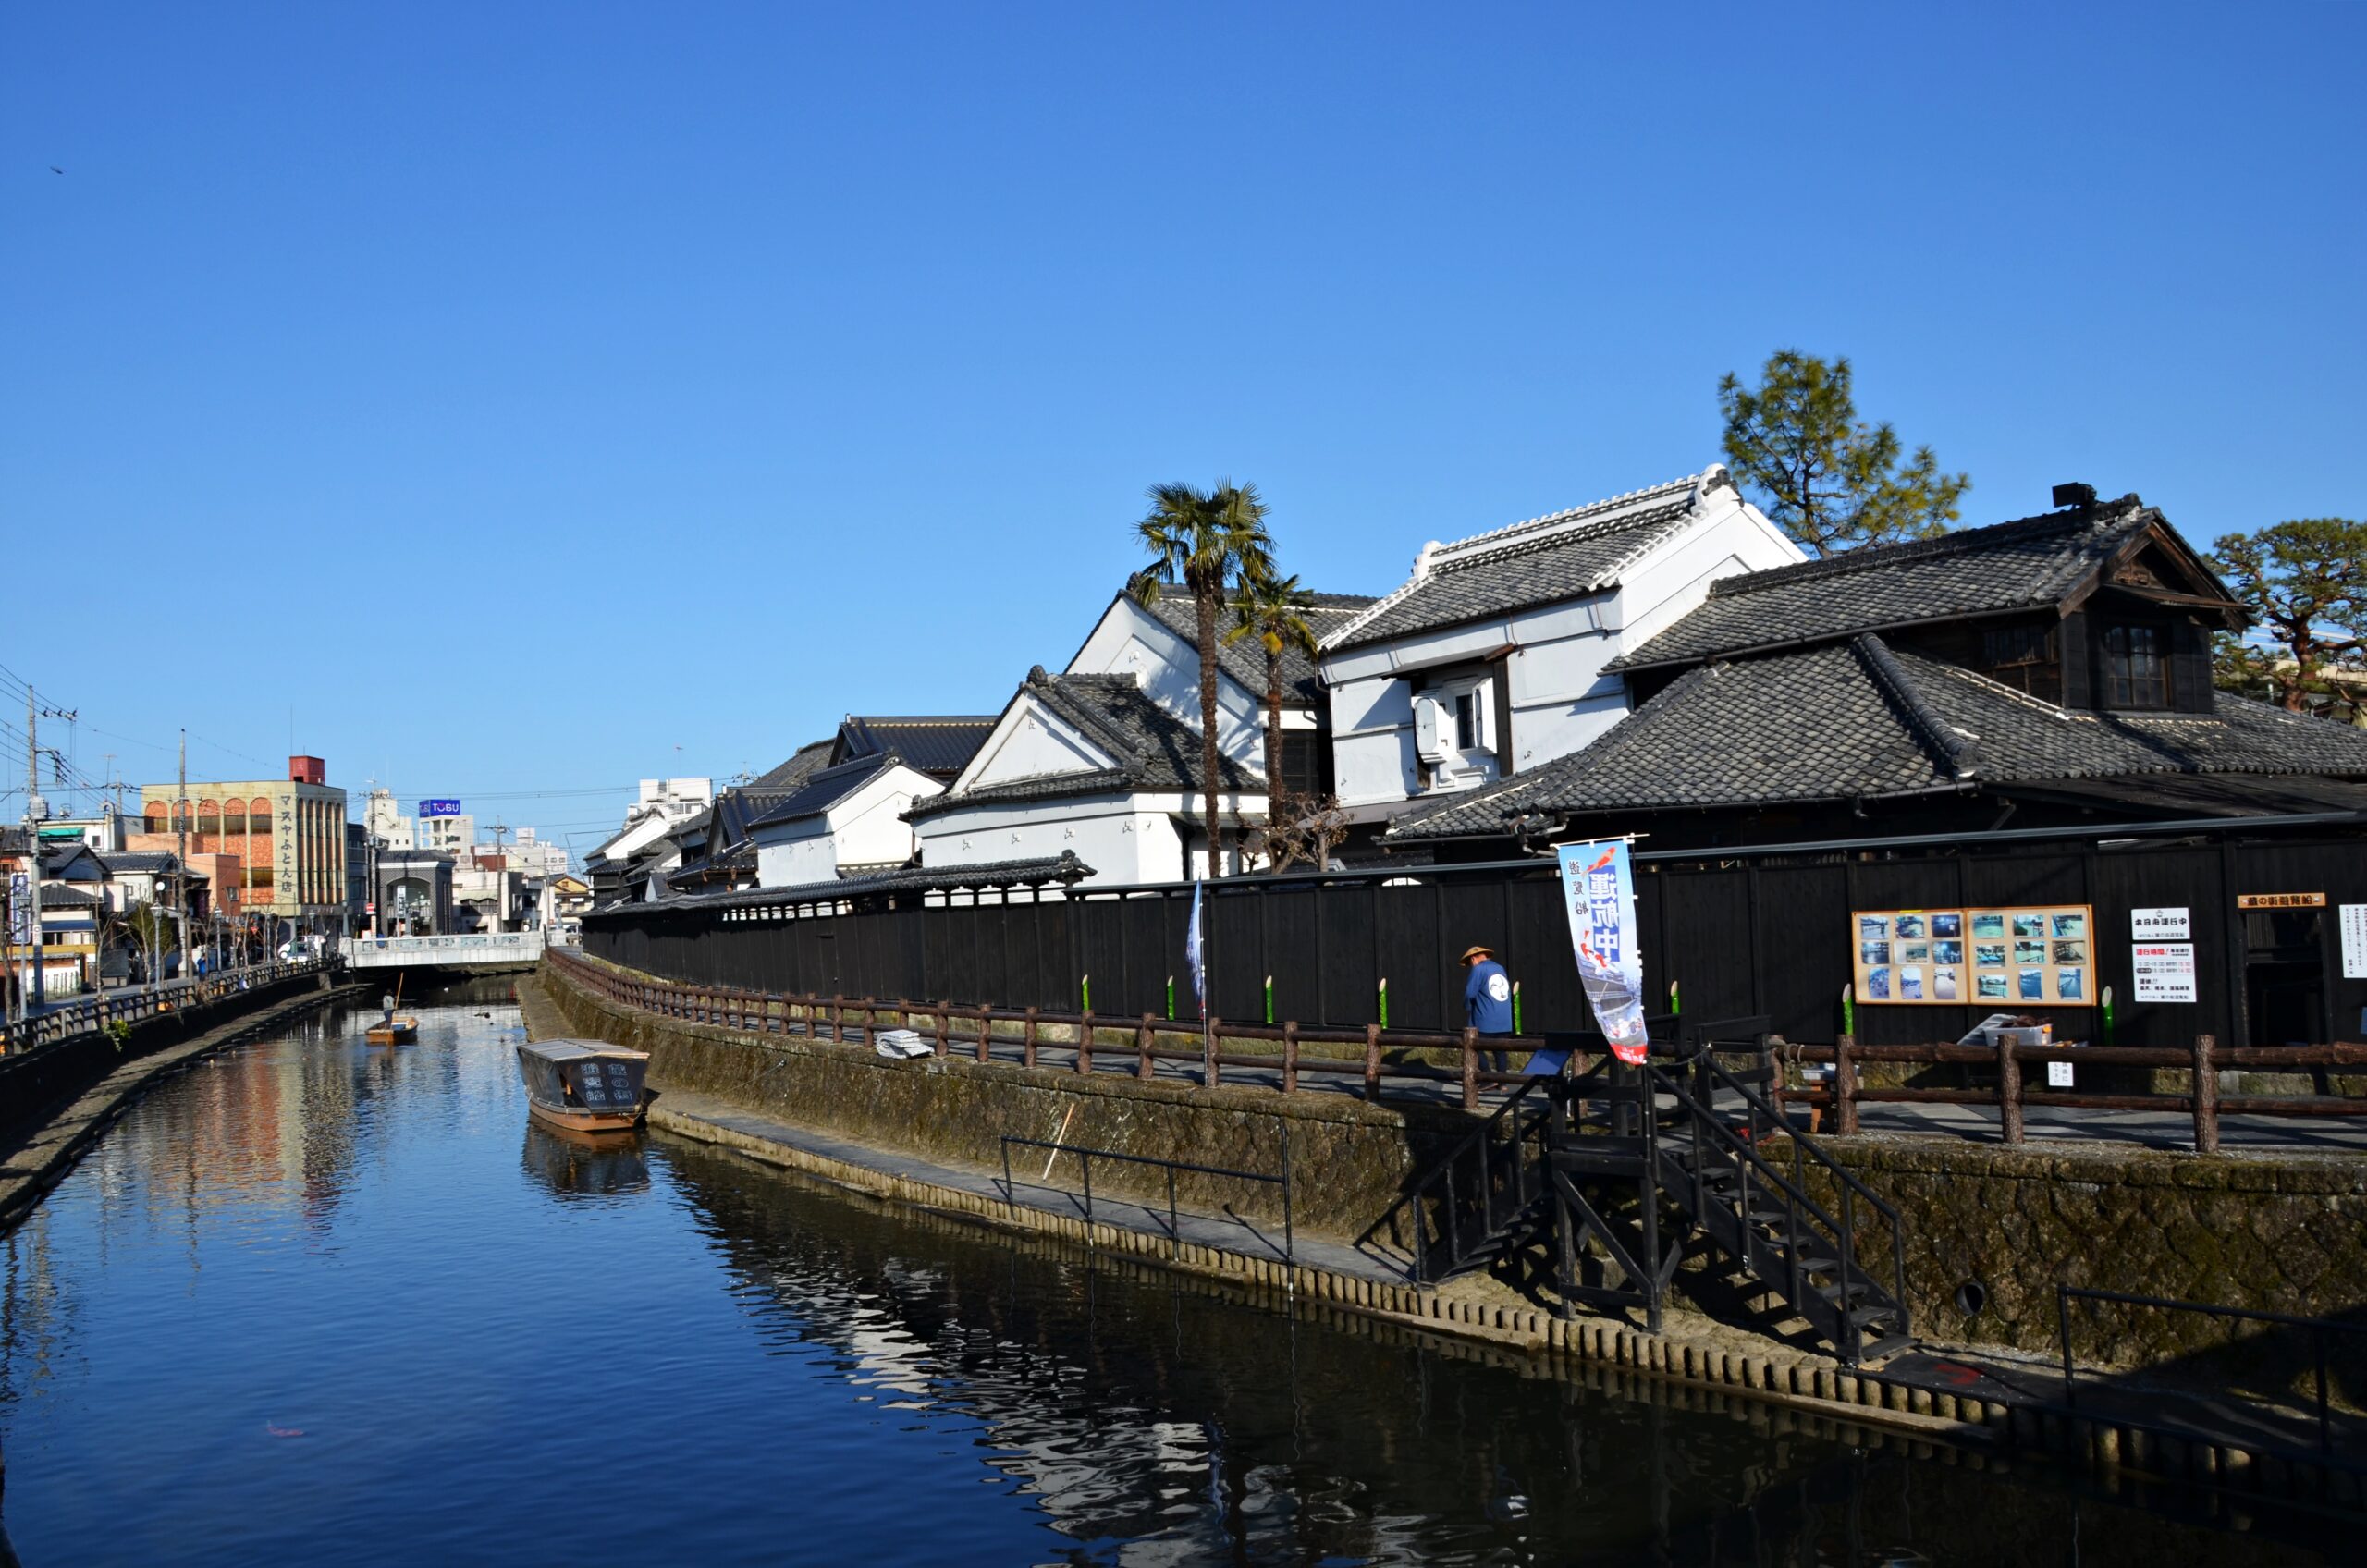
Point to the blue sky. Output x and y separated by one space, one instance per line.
528 399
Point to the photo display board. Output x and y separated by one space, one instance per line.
2015 957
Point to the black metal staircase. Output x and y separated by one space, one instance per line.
1591 1188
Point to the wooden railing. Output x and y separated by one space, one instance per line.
1386 1055
133 1003
1842 1092
956 1029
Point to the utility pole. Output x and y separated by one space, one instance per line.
181 860
35 809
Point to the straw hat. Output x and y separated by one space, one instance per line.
1470 953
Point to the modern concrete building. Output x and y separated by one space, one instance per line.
414 893
288 833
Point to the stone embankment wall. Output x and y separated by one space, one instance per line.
1349 1159
2283 1233
2273 1233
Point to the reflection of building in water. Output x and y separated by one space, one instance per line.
585 1164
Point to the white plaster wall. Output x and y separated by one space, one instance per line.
1031 744
1561 700
865 829
1130 640
1122 842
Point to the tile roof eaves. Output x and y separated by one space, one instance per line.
1695 483
1955 752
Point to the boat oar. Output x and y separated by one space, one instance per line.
1058 1138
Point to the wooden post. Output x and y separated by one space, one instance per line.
1471 1068
2009 1090
1290 1058
944 1023
986 1031
1085 1041
1213 1068
838 1020
1372 1061
1844 1085
1143 1036
2206 1096
1027 1040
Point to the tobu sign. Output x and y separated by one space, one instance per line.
439 808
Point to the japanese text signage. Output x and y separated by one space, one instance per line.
2159 924
2280 901
2032 955
2162 972
1599 895
2354 941
21 910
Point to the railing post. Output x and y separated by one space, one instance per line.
1471 1068
1372 1062
837 1019
1143 1034
944 1023
1290 1058
1085 1041
1028 1039
2010 1089
1844 1085
1213 1069
2206 1098
986 1032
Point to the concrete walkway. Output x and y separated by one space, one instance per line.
678 1110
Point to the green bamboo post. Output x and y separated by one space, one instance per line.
2109 1021
1849 1010
1674 1007
1516 1026
1084 988
1171 999
1269 1000
1384 1001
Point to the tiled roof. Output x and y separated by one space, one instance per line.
58 895
941 747
809 759
2030 562
139 862
1860 719
1152 750
1245 657
1062 868
1563 555
824 789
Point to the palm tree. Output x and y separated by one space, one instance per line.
1273 609
1205 541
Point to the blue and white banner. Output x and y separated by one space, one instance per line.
1599 893
1195 952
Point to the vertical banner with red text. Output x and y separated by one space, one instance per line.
1599 892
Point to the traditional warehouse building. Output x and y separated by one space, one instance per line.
288 835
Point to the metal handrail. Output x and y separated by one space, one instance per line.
1442 1174
1086 1157
132 1004
2319 1328
1843 1231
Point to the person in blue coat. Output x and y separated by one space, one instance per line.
1488 1001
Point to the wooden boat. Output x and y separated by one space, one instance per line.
394 1029
584 1086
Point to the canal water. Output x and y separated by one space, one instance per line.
317 1301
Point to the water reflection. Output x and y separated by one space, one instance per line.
579 1165
318 1301
1152 1419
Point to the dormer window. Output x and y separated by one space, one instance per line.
2021 656
2137 666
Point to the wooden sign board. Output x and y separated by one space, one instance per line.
2006 957
2280 901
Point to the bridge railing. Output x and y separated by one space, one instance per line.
478 947
130 1004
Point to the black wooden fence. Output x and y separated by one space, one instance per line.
1740 932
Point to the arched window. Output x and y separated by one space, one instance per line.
209 816
259 815
154 812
